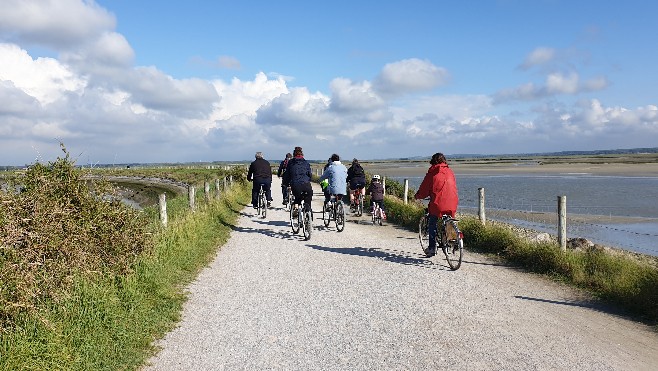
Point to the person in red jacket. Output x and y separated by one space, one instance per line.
440 186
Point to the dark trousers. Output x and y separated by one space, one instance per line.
267 186
284 192
431 229
298 189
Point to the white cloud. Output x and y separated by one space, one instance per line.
58 24
347 96
45 79
539 56
229 62
409 76
556 83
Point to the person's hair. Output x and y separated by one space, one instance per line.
259 154
335 157
438 158
298 151
355 161
288 155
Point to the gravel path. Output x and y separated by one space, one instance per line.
366 299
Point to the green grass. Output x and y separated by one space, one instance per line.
105 313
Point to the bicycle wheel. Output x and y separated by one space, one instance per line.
423 233
326 214
359 205
379 215
454 245
308 225
294 220
262 204
340 217
374 215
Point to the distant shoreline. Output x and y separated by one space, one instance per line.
401 169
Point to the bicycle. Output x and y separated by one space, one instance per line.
356 203
333 210
449 237
300 218
288 205
262 202
377 214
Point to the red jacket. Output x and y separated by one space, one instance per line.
440 186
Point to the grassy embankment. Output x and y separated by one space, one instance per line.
87 283
629 283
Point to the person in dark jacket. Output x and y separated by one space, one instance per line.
356 177
260 172
440 186
298 175
279 173
376 192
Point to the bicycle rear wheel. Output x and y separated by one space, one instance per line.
423 233
340 217
379 215
262 204
359 205
326 214
374 215
454 245
294 220
308 225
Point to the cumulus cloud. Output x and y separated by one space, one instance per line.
409 76
348 96
60 24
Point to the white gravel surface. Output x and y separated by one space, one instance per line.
366 299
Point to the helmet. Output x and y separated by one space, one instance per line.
375 177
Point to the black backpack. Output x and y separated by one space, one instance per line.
358 171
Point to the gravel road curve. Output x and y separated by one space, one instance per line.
366 299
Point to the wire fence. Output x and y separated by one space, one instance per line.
638 234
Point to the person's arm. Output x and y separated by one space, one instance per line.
250 173
424 189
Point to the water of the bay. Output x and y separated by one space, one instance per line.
616 211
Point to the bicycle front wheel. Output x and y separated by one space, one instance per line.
340 217
308 225
423 234
454 245
294 220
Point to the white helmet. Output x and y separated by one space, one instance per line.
376 177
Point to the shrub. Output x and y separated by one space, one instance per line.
59 226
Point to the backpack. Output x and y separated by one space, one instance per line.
358 171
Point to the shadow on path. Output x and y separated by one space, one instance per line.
393 256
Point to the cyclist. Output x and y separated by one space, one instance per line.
356 176
298 175
440 186
336 173
260 173
376 192
279 173
324 184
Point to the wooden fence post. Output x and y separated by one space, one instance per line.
163 209
230 180
206 191
481 213
384 185
191 195
406 190
562 221
225 183
217 188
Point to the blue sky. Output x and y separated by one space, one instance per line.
120 81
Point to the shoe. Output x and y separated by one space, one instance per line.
285 202
269 203
294 213
429 252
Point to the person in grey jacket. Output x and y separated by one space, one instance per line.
336 173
